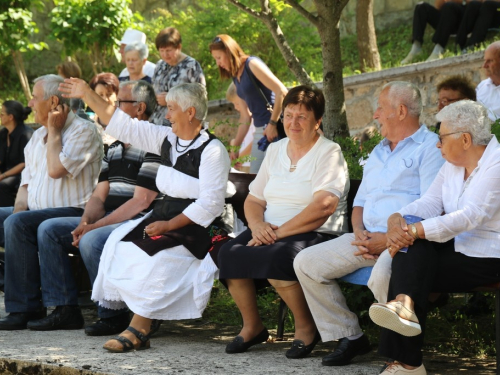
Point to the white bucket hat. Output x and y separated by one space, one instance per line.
132 35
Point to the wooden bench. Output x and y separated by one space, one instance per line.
358 277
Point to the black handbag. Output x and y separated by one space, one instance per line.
279 125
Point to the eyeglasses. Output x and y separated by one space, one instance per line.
441 136
119 102
445 101
217 39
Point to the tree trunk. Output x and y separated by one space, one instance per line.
335 117
369 57
21 72
267 18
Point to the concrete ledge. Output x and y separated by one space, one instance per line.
16 367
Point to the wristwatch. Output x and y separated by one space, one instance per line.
272 122
414 231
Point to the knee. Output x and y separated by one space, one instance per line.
45 231
301 263
13 222
90 245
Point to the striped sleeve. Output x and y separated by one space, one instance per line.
147 174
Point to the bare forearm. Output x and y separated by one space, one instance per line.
242 131
54 147
126 211
21 203
254 213
94 211
13 171
102 108
357 218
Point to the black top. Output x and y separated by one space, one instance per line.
13 155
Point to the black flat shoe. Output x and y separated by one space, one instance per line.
19 320
239 346
301 350
63 317
346 351
109 326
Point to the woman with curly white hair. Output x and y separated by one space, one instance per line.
455 247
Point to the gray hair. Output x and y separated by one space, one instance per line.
140 47
143 92
50 84
406 93
190 95
470 117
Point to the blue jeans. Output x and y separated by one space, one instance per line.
22 268
58 283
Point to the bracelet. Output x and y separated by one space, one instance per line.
272 122
414 231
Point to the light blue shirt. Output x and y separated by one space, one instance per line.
393 179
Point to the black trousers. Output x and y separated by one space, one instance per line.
445 21
430 267
8 190
477 19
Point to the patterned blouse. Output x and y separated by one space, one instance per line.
166 76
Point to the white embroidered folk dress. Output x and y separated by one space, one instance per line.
172 284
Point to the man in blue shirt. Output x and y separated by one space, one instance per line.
398 171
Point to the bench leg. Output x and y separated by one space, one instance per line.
497 328
281 320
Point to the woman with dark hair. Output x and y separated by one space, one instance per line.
174 68
297 200
262 91
13 138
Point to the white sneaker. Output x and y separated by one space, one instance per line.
434 56
394 316
395 368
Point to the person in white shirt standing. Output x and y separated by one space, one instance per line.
63 160
131 36
488 91
451 252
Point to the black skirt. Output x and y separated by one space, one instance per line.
236 260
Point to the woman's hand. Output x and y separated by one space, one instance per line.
263 233
157 228
160 98
397 234
271 132
74 88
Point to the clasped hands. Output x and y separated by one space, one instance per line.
263 233
397 234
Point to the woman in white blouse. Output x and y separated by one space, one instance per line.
298 199
456 246
159 265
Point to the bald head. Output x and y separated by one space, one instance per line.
491 63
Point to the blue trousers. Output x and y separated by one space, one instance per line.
19 236
58 283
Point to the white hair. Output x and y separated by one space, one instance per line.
406 93
50 84
190 95
140 47
470 117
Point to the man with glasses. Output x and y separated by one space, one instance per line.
453 89
126 189
398 171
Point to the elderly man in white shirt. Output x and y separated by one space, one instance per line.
63 160
451 252
488 91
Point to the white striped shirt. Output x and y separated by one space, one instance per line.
81 155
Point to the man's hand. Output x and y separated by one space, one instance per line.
370 247
79 231
263 233
74 88
271 132
397 234
58 117
157 228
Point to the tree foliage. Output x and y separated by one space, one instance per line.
93 27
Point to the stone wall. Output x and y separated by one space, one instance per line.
361 91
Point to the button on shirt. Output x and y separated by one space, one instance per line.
488 94
471 207
81 155
393 179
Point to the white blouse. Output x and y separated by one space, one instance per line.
210 190
471 207
289 193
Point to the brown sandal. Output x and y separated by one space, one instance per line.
127 345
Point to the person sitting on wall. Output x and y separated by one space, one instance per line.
488 90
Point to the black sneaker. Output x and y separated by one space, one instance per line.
63 317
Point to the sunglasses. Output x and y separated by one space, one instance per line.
217 40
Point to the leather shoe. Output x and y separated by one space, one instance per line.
109 326
301 350
239 346
346 351
63 317
19 320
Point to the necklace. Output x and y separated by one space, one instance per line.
184 148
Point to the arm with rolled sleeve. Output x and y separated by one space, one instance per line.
142 134
213 176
